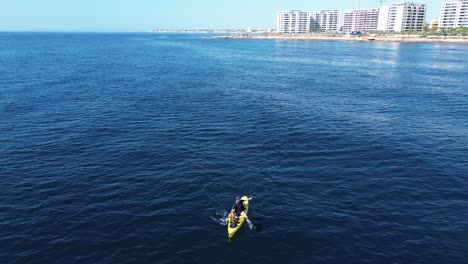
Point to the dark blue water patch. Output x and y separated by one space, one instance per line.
119 148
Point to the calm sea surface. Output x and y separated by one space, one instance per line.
117 148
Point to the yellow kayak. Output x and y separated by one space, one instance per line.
240 220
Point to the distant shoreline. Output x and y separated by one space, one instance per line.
379 38
206 31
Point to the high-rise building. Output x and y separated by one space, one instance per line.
361 20
325 20
300 22
382 23
454 14
406 16
293 22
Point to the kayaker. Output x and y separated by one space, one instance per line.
238 209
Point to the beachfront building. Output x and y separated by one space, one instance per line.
434 25
406 16
382 23
300 22
454 14
325 20
360 20
293 22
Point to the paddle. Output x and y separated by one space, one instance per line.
251 225
222 220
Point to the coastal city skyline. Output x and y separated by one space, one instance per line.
125 15
397 17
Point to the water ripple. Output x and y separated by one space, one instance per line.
119 147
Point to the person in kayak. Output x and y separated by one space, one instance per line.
238 209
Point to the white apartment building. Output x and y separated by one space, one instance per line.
325 20
454 14
361 20
300 22
293 22
406 16
382 23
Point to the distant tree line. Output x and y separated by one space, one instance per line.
426 31
460 31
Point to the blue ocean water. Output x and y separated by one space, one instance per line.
117 148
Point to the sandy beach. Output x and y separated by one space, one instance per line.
377 38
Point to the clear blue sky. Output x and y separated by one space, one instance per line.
142 15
